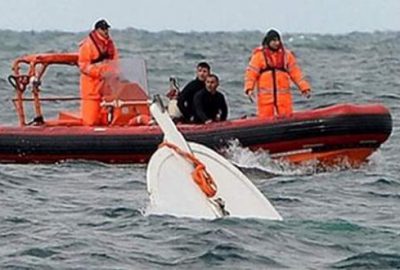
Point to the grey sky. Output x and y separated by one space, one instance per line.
317 16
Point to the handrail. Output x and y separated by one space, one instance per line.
48 58
49 99
38 64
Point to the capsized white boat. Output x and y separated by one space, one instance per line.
173 190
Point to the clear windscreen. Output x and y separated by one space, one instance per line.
133 69
127 71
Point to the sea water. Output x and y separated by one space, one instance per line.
89 215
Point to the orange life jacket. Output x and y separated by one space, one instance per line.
271 72
274 59
262 64
92 52
105 47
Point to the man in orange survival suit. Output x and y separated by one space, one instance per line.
95 55
270 68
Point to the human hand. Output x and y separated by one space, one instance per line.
250 94
306 93
172 94
107 75
208 121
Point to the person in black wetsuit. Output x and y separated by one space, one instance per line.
209 104
185 98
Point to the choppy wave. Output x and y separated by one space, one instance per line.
370 260
89 215
260 162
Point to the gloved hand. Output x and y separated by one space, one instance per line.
172 94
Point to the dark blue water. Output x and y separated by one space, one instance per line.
84 215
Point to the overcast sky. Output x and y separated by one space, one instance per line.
316 16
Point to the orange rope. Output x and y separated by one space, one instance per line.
200 175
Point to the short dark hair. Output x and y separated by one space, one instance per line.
271 35
204 65
214 76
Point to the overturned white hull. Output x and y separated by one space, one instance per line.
173 191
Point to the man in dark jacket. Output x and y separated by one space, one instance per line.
209 104
185 98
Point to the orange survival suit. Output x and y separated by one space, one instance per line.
271 71
96 53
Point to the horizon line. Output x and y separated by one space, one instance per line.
201 31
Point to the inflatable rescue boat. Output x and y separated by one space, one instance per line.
343 131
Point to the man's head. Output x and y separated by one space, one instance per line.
202 71
102 27
212 83
272 39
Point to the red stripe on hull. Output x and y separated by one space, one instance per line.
50 158
354 157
